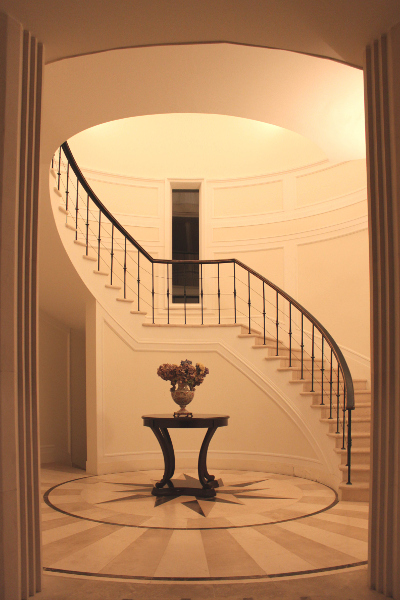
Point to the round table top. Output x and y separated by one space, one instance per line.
168 420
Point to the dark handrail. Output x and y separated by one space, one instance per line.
348 382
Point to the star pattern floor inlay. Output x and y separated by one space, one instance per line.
241 500
259 525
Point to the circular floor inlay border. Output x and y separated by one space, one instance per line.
208 579
242 493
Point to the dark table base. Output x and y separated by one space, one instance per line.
173 488
205 487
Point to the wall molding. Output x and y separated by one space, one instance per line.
284 464
295 214
316 234
120 179
239 362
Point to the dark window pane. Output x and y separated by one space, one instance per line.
185 245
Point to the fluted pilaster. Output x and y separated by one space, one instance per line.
21 63
382 92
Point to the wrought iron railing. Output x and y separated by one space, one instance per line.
228 292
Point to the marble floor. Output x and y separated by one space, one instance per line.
261 532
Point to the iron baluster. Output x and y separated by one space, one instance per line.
59 170
138 280
184 289
112 253
344 422
302 346
152 291
337 402
331 388
312 359
249 301
87 226
201 294
167 293
219 300
125 268
76 208
234 288
98 243
277 324
349 444
290 334
264 308
67 189
322 373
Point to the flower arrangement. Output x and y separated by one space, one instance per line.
185 373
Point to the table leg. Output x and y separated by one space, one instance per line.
164 439
206 480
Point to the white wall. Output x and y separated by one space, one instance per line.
304 229
270 427
62 393
78 398
54 390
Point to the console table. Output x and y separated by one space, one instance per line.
160 424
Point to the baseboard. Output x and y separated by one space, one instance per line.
239 461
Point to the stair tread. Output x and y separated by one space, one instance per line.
327 382
363 450
354 434
297 368
315 393
362 485
253 335
192 325
264 346
355 450
93 258
245 329
355 467
353 419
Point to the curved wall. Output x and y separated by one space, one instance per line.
304 229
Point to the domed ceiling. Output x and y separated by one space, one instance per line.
192 146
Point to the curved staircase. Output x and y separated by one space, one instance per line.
291 340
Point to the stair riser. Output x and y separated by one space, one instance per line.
350 494
359 398
359 412
307 364
357 476
356 442
307 373
362 411
284 352
363 427
269 343
358 385
357 459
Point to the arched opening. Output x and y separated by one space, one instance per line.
334 142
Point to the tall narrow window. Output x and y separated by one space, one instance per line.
185 245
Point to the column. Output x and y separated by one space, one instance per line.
382 92
21 64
